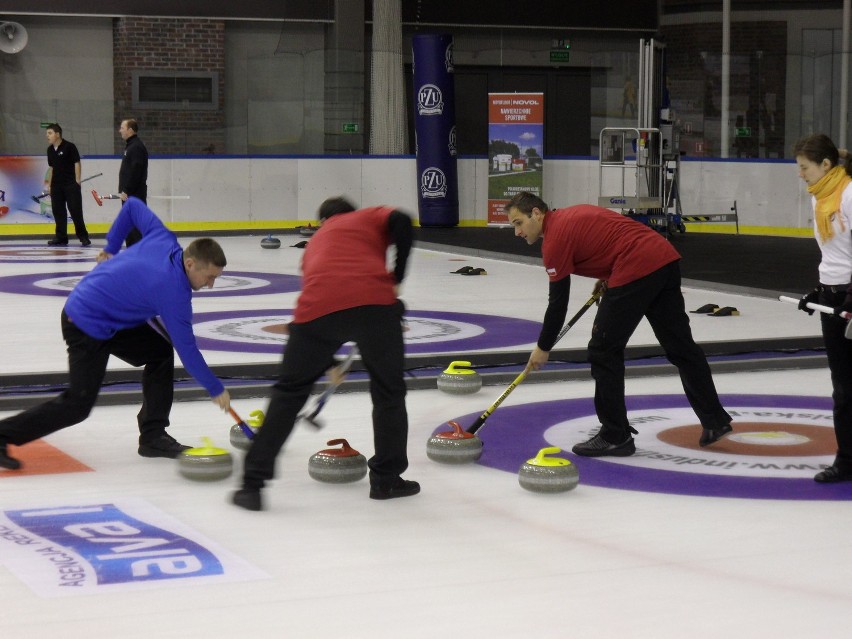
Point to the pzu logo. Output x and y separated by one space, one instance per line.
433 183
430 100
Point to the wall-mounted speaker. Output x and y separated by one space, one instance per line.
13 37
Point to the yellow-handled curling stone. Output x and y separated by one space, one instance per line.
238 437
459 381
205 463
544 474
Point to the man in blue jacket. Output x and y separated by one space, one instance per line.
136 305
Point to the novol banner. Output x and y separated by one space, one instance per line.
435 130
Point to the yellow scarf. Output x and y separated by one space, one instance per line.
827 193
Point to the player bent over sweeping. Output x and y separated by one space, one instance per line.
640 271
112 311
347 295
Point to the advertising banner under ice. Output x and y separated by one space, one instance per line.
515 149
435 130
22 191
85 549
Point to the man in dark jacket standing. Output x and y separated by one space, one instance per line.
63 180
133 174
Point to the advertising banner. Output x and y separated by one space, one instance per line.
22 191
108 547
515 149
435 130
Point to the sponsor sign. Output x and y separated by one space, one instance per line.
22 178
515 149
85 549
435 129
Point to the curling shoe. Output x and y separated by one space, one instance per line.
162 446
397 487
8 462
248 498
832 475
597 446
712 435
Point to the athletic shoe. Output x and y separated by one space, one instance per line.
397 487
597 446
712 435
162 446
8 462
248 498
832 475
55 242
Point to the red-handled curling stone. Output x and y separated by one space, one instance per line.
454 447
338 465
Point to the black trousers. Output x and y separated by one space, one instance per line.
839 352
135 234
68 195
658 298
310 349
87 362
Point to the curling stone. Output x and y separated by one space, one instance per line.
308 230
270 242
545 474
238 437
459 381
338 465
454 447
206 463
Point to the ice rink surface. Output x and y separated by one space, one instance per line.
474 555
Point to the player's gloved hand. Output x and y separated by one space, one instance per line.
809 298
599 289
846 307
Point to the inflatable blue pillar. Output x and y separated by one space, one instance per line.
435 130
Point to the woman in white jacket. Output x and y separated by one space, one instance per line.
829 183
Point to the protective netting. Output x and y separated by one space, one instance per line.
387 105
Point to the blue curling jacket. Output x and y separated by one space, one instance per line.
139 283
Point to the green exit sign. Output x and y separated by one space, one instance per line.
743 131
350 127
560 56
44 125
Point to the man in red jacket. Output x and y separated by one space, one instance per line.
347 295
640 273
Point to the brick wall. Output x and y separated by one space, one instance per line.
163 44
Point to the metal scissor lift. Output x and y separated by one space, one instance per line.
637 177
